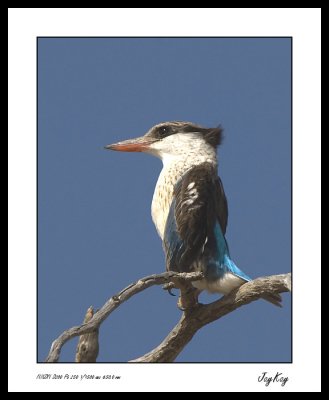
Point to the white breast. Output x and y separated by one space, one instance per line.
163 194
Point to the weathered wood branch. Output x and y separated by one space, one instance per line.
113 303
88 346
194 317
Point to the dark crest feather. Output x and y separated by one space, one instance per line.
214 136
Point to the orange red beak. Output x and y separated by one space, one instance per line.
136 145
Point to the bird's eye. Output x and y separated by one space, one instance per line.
164 130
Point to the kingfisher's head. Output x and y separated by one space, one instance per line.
174 138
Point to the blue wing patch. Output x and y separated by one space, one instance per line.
215 266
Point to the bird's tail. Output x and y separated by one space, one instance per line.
222 248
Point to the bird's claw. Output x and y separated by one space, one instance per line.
169 287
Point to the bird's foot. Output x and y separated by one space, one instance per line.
188 299
169 287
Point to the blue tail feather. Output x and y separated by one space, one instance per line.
222 259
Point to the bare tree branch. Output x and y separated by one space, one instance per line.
88 346
113 303
194 317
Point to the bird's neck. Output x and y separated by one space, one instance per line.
174 167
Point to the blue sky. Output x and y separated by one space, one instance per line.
95 233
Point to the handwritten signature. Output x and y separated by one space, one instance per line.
277 378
